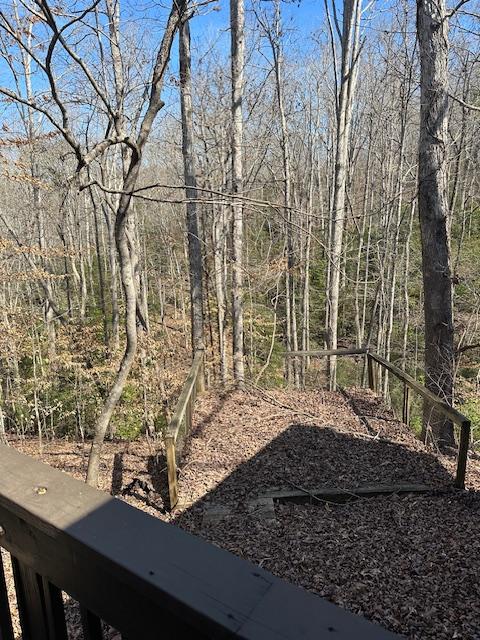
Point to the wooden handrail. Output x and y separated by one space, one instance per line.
194 382
182 419
439 404
409 383
144 577
327 352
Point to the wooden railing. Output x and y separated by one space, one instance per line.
181 423
145 578
373 360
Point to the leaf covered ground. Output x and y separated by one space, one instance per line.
410 563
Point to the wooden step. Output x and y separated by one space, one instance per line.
326 494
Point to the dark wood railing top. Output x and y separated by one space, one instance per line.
149 579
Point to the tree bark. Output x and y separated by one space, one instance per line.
194 245
432 33
124 246
237 22
349 47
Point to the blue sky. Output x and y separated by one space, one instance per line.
302 17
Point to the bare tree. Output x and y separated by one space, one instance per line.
237 22
60 117
432 33
194 245
349 44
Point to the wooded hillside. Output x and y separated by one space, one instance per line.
265 182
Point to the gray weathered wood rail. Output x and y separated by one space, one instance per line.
147 579
373 361
181 423
342 494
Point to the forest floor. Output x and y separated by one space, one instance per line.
409 562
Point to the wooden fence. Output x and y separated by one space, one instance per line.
373 362
147 579
181 422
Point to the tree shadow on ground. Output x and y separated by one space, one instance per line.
202 425
157 471
157 464
117 474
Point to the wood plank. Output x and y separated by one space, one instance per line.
262 508
187 390
171 455
215 513
54 611
327 352
406 404
145 577
336 494
181 424
31 611
463 447
372 374
201 376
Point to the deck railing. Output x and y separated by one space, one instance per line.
147 579
373 360
181 423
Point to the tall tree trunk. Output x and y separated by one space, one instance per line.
218 240
194 245
432 33
113 280
128 282
349 63
237 22
406 296
123 240
101 275
290 297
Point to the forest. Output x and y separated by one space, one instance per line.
227 184
256 196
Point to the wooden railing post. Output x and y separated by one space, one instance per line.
91 625
201 374
171 470
189 416
40 604
406 404
181 424
462 454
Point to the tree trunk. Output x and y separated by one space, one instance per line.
124 246
349 46
237 21
194 246
115 335
432 33
128 282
